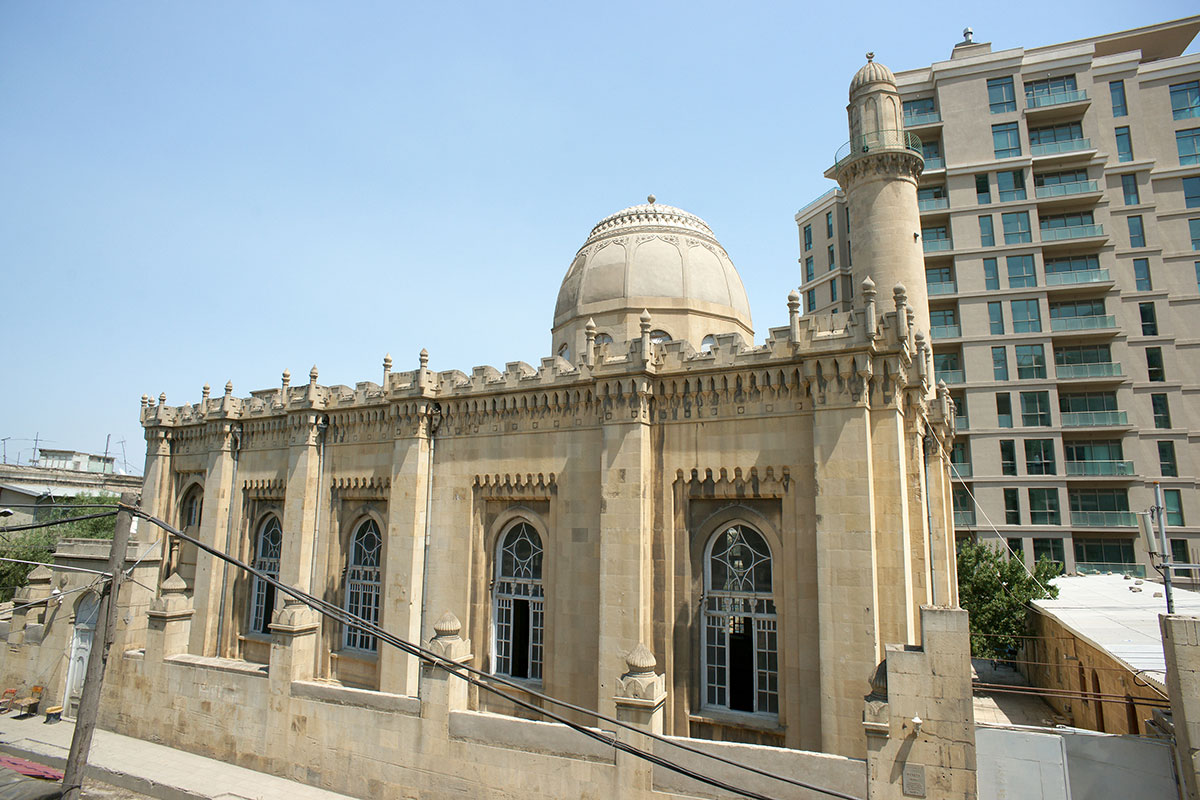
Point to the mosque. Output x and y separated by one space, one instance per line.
762 518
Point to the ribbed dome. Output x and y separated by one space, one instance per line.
646 254
871 72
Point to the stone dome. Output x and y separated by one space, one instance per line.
654 257
871 72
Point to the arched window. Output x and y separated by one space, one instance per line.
708 343
362 585
603 338
266 559
182 555
520 615
564 351
740 652
658 336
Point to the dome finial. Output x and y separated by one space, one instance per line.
870 55
650 199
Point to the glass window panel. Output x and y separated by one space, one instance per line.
1021 272
1141 274
1004 415
1129 187
1187 143
1035 409
1116 90
1149 319
995 317
1012 506
983 190
1026 318
1154 364
991 275
999 364
1016 227
1011 184
1167 464
1124 145
1001 95
1185 100
1006 140
987 234
1031 361
1008 457
1137 234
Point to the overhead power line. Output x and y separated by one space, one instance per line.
51 523
485 681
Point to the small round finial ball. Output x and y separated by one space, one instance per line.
162 398
312 374
899 290
228 387
590 327
387 361
868 284
645 317
651 199
447 625
287 376
640 659
145 399
205 389
919 336
793 296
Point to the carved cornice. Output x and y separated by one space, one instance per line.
891 163
722 486
516 487
265 488
365 487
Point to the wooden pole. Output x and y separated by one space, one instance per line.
106 623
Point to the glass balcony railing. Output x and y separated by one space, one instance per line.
961 470
962 423
1078 469
1102 567
1071 232
964 518
1097 370
951 376
928 118
935 162
937 245
1066 189
1076 277
1057 148
945 331
941 288
1093 419
1089 323
933 203
1104 519
1055 99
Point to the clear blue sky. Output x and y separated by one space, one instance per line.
215 191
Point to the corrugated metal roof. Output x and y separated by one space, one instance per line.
1102 610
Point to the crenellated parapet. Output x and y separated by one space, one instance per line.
870 356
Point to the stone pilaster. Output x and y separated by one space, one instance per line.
219 494
625 530
442 692
847 605
156 477
301 498
1181 646
403 590
293 646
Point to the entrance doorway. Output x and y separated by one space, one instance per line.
81 647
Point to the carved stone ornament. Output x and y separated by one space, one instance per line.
640 684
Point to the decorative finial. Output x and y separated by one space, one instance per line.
145 400
162 398
228 387
287 377
424 358
447 625
312 374
387 361
645 317
871 56
650 199
640 660
590 327
205 391
793 296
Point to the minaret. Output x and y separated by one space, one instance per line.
878 170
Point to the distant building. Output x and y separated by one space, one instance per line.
59 474
1060 226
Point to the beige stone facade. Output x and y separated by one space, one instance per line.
1059 215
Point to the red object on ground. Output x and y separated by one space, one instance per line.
30 768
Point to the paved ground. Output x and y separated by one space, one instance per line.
1003 708
134 769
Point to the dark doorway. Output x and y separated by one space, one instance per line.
741 664
520 639
268 607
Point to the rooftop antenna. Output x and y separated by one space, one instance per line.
4 444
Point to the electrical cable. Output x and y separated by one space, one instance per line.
59 505
56 566
1068 694
34 525
52 597
485 680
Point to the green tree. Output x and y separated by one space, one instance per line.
38 545
996 590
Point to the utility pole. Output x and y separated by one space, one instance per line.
106 622
1161 512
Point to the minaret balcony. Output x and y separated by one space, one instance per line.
876 142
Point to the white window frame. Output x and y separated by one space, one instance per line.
526 584
266 559
363 585
748 601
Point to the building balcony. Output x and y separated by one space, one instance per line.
1074 189
945 332
1071 232
877 141
961 470
937 245
941 288
1097 370
935 163
962 423
917 120
1036 101
1104 519
933 203
1078 277
1099 469
1104 567
1091 323
1094 419
964 519
1060 148
950 376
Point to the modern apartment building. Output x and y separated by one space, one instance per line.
1060 220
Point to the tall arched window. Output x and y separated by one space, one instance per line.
520 615
182 556
268 549
740 652
362 585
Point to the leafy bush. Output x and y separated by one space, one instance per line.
38 545
996 589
